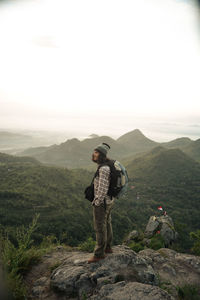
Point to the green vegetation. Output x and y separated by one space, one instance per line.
19 255
87 245
157 242
165 285
27 189
17 259
193 150
171 179
136 246
161 177
57 194
188 292
196 237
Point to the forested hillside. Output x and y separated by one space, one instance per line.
27 188
168 178
74 153
193 149
162 177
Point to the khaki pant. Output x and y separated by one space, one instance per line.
103 228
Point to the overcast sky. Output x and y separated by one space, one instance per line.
103 67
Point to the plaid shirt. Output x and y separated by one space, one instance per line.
101 185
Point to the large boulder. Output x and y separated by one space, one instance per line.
174 269
131 291
123 274
75 276
164 225
133 236
152 227
167 230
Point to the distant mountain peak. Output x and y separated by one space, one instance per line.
136 141
93 135
136 133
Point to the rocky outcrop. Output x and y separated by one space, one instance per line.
131 290
122 275
133 236
173 269
164 225
75 276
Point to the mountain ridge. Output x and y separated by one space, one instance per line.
163 162
74 153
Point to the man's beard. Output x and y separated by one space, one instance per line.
94 160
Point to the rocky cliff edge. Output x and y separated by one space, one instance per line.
124 274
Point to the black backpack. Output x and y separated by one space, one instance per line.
118 178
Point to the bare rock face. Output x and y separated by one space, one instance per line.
152 227
133 291
133 236
165 225
76 276
174 269
122 275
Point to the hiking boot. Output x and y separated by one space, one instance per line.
95 259
108 250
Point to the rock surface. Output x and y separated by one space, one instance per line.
173 269
163 225
122 275
152 227
75 276
131 291
133 236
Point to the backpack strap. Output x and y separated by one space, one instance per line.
97 171
109 163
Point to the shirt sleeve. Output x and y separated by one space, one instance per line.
103 186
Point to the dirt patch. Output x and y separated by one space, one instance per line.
38 278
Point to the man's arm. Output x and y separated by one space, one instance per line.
104 182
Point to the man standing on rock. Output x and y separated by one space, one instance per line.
102 204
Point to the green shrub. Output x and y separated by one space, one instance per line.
16 286
136 246
196 237
17 259
88 245
49 242
157 242
188 292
